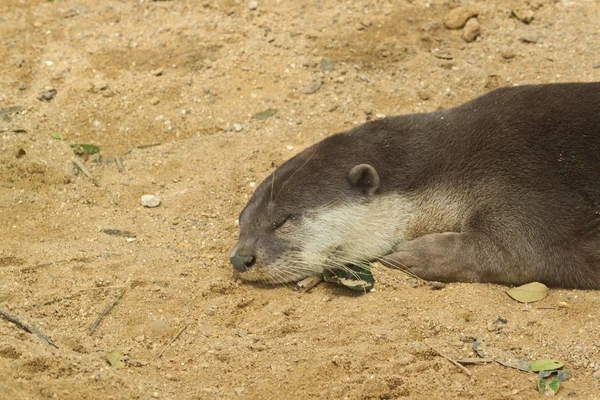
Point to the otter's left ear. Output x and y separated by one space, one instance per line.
364 177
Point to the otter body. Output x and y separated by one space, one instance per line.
504 189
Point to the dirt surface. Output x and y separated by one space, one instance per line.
188 75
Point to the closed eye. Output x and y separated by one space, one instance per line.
281 222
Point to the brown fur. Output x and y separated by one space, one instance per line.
505 188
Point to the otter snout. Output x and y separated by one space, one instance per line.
241 262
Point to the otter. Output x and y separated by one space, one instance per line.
502 189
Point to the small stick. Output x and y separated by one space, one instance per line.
119 163
145 146
47 264
475 360
85 171
172 340
27 328
466 371
82 291
106 311
308 283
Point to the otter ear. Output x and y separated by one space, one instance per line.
364 177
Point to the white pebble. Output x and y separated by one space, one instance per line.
150 200
237 127
290 148
253 5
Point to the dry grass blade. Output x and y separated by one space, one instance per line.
171 341
119 163
466 371
106 311
27 328
85 171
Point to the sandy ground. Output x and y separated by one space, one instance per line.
187 76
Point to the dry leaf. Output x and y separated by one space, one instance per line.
529 292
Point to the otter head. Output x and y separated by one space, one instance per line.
322 209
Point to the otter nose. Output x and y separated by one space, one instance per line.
241 262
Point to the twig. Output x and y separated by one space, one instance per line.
47 264
475 360
27 328
82 291
172 340
106 311
307 284
145 146
85 171
119 163
466 371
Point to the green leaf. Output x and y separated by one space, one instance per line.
548 387
85 149
529 292
115 359
354 277
546 365
265 114
58 135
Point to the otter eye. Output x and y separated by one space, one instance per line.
281 222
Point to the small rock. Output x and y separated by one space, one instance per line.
108 93
239 390
150 200
100 85
154 101
48 95
20 153
155 395
311 87
597 65
22 86
253 5
368 111
437 285
508 53
423 95
525 16
471 30
458 17
530 37
157 72
237 127
326 65
596 374
364 77
562 304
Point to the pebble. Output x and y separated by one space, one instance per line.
596 374
364 77
22 86
154 101
471 30
458 17
525 16
311 87
530 37
150 200
253 5
423 95
326 65
48 95
508 53
237 127
562 304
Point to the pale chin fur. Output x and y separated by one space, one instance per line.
341 235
